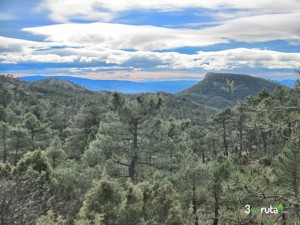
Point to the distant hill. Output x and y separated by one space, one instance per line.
212 91
58 83
122 86
60 91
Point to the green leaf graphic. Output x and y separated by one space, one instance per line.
280 207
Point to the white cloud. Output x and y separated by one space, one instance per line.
8 45
249 21
63 11
247 58
120 36
259 28
141 60
36 58
103 10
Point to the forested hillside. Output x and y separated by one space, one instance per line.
214 89
73 156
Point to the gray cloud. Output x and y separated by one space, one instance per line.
217 60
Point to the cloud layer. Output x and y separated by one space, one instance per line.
19 51
103 10
90 36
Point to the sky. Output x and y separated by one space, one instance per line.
150 39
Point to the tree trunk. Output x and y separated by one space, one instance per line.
283 219
132 169
132 166
54 162
264 137
16 156
216 210
224 138
241 137
135 134
203 157
214 147
194 203
86 136
4 146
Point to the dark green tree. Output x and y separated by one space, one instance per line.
220 171
122 139
40 134
19 143
83 128
55 152
104 198
4 135
223 117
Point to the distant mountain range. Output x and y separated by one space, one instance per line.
122 86
211 92
131 86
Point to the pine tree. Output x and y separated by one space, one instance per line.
83 129
19 143
4 134
223 118
160 205
220 172
39 133
5 96
121 140
55 152
130 212
104 198
35 163
287 168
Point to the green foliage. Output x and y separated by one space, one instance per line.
39 133
19 143
83 129
213 90
130 211
4 135
50 219
103 198
287 169
5 170
55 152
207 164
36 162
121 140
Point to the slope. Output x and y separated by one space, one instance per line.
213 89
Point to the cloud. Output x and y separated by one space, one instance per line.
21 46
42 58
120 36
85 10
247 58
103 10
20 51
241 21
259 28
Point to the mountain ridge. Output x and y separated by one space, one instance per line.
213 91
120 85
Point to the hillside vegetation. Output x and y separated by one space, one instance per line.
213 90
72 156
